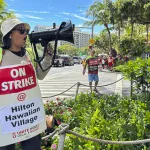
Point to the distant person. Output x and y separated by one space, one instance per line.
126 59
100 62
103 63
106 62
92 64
110 63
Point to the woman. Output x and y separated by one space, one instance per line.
22 118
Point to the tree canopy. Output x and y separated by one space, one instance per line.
127 19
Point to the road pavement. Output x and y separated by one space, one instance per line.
61 79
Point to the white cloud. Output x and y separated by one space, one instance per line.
65 13
79 25
19 15
27 16
34 22
80 17
33 17
66 18
77 16
80 10
12 10
83 13
58 15
40 12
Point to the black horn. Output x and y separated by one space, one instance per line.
64 32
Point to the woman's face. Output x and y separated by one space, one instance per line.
18 36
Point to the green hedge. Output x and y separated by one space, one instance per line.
107 117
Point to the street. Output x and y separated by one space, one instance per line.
60 79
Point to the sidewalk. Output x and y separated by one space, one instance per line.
56 85
122 87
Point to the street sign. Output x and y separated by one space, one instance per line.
91 41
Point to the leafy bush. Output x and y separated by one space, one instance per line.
108 117
139 71
133 47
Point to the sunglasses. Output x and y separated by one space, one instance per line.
22 31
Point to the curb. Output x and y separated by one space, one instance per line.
118 89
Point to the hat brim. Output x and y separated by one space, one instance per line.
27 26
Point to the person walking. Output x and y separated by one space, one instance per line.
22 114
92 64
110 63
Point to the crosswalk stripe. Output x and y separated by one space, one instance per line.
62 87
55 84
52 88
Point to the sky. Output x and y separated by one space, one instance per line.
47 12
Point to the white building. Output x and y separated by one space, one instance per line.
81 39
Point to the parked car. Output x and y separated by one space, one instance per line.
68 60
58 61
77 59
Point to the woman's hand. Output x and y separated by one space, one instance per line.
49 50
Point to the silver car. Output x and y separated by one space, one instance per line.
77 59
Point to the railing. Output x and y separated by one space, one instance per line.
64 128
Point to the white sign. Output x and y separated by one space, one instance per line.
22 114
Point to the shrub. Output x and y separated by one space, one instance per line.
107 117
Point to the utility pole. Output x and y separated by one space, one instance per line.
92 30
93 26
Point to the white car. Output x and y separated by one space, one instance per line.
77 59
58 61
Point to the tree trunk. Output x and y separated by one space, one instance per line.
106 25
119 32
147 30
132 27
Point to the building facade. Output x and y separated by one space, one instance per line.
81 39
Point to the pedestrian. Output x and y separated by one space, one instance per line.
103 62
100 63
106 62
126 59
110 63
92 64
22 115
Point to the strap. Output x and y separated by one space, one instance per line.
31 54
1 54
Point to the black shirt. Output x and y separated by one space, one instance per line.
20 53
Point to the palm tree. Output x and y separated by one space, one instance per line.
101 16
3 11
4 14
